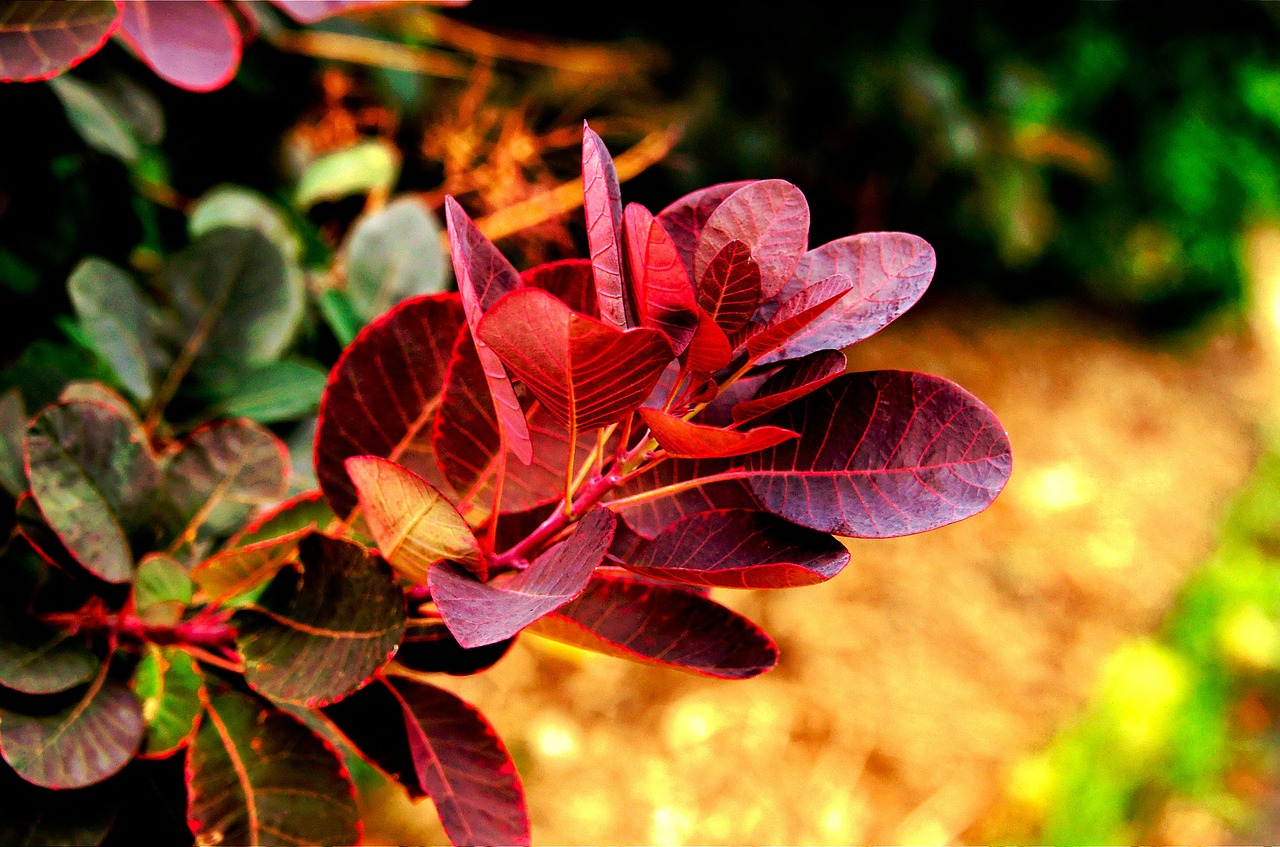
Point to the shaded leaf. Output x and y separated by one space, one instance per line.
301 511
194 45
275 392
226 577
310 11
652 516
44 542
542 480
684 219
570 280
602 205
364 168
244 208
415 526
431 648
256 775
739 548
96 392
729 290
94 479
772 218
39 659
373 723
392 255
881 454
665 625
586 373
321 630
13 432
798 378
73 740
682 439
161 589
480 613
94 120
170 688
39 40
660 285
121 323
41 817
795 314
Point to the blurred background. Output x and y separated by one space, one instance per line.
1096 658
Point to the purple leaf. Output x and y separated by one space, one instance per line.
480 613
665 625
311 11
772 218
39 40
194 45
602 204
684 219
889 270
729 290
738 548
881 454
796 379
663 294
684 440
652 516
795 313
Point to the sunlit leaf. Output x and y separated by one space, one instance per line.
392 255
660 286
121 322
225 578
602 204
652 516
39 659
39 40
772 218
798 378
684 440
194 45
480 613
684 219
256 775
665 625
881 454
709 350
161 589
796 313
321 630
570 280
366 167
170 687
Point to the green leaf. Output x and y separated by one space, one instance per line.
362 169
95 119
121 324
256 775
392 255
76 743
321 631
230 577
162 589
340 315
13 430
94 479
306 510
236 206
279 391
39 659
169 685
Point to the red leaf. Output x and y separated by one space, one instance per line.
798 378
796 313
684 440
882 454
889 270
772 218
310 11
738 548
484 276
479 613
586 373
383 394
684 219
431 648
194 45
664 625
729 290
39 40
710 349
652 516
542 480
602 204
568 279
663 294
465 435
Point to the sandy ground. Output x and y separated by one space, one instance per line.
910 683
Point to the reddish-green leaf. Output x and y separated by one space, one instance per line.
170 687
568 279
881 454
431 648
320 631
40 659
684 440
42 38
162 589
795 314
772 218
684 219
414 525
480 613
226 577
74 740
796 379
729 290
586 373
602 205
256 775
739 548
122 323
663 294
484 276
94 479
310 11
665 625
383 395
301 511
194 45
652 516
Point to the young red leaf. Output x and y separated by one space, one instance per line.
568 279
39 40
739 548
602 204
383 395
431 648
319 633
484 276
663 294
542 480
480 613
796 379
414 525
889 270
665 625
587 374
772 218
729 290
709 350
684 219
881 454
256 775
229 574
684 440
194 45
650 517
795 314
465 435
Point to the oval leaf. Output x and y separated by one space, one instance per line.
570 280
798 378
431 648
394 254
39 40
121 323
465 435
794 315
684 440
227 577
602 205
881 454
317 635
161 590
244 208
194 45
738 548
40 659
364 168
650 517
301 511
729 290
168 683
772 218
684 219
660 285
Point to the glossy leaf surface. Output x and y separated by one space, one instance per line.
194 45
602 206
881 454
39 659
170 687
480 613
660 285
684 440
772 218
39 40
